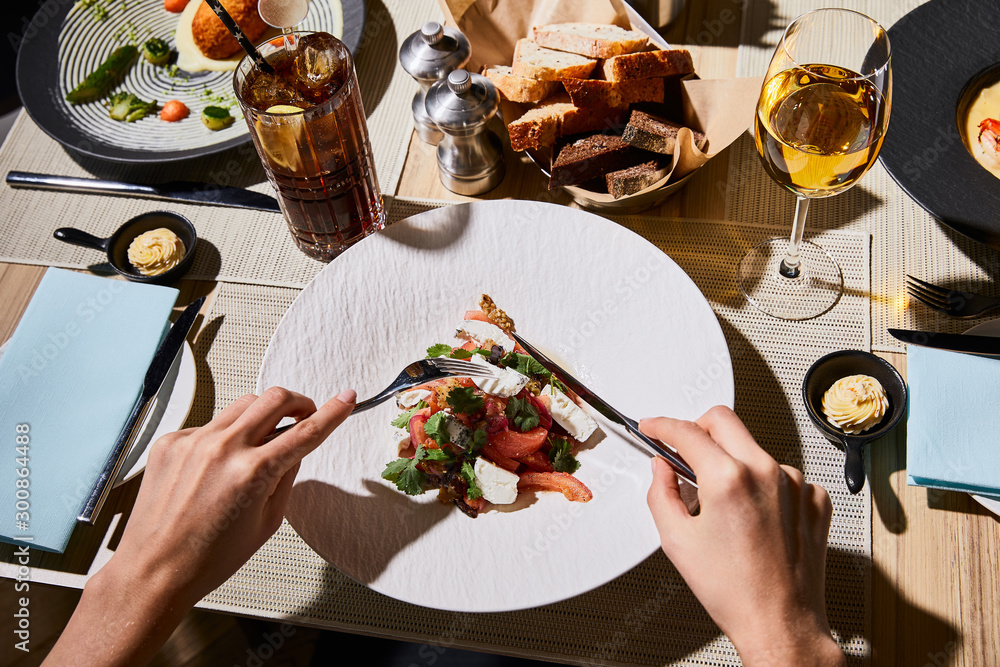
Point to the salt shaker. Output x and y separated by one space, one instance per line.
429 55
470 156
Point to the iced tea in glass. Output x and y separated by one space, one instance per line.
308 125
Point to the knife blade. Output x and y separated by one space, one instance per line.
949 341
157 372
182 191
680 466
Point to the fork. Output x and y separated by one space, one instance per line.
948 301
415 374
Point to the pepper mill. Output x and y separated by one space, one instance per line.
470 156
429 55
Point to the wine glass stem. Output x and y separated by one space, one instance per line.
791 265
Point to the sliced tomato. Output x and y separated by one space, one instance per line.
478 504
477 315
537 461
544 416
562 482
469 346
418 436
493 456
513 444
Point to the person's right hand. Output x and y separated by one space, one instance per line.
755 556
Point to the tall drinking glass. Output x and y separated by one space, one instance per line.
821 118
308 125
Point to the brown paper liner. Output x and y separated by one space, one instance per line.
722 109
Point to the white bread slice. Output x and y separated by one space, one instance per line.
535 62
593 40
646 64
518 88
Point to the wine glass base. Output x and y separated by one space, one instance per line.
816 290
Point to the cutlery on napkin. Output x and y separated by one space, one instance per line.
182 191
69 378
953 425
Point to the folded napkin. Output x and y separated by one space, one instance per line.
953 424
69 378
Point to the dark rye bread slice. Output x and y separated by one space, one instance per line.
646 64
583 158
597 93
630 180
655 134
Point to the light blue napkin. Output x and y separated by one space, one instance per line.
953 422
69 378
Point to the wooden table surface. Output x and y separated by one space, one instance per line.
935 555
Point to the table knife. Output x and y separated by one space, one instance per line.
157 372
182 191
949 341
683 470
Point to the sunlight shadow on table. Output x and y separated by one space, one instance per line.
361 534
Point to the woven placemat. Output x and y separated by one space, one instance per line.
235 244
648 616
905 238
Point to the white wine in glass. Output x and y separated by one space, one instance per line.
821 118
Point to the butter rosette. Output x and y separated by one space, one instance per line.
155 252
855 404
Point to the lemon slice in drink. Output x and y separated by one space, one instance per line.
284 109
283 136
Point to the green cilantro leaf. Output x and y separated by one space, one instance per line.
436 427
438 350
522 414
469 475
460 354
560 456
403 420
464 400
406 476
438 455
479 438
524 364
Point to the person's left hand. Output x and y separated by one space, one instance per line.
211 496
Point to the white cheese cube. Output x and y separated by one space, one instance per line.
407 399
506 383
458 433
568 414
499 486
480 332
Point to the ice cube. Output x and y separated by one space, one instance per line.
266 90
321 60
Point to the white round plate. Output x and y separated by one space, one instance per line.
620 314
169 411
991 328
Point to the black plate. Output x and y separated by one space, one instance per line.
42 84
936 50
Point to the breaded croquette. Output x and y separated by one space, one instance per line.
214 39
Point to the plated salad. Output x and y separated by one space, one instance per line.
482 441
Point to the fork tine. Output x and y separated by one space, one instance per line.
460 366
930 304
942 301
929 286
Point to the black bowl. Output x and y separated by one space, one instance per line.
821 376
116 245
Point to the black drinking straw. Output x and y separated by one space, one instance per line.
234 28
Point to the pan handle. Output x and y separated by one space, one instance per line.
81 238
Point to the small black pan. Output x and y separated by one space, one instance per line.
116 245
821 376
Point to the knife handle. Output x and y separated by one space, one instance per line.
116 458
24 179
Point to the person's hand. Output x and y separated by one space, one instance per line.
755 556
210 497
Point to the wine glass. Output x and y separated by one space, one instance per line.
821 117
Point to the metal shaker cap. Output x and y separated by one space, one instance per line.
463 101
433 51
